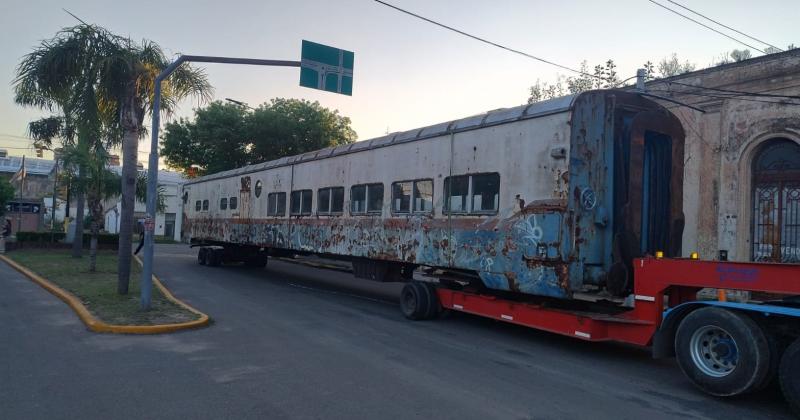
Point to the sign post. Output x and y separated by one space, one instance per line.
324 68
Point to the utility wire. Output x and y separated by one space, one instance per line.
16 137
708 95
723 25
494 44
703 25
736 92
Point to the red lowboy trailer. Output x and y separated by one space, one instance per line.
725 348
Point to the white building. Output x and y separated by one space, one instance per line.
167 223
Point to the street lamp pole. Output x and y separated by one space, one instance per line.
240 103
152 169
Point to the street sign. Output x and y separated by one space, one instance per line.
326 68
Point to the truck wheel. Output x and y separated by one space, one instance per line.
415 301
789 375
202 255
214 257
722 352
434 307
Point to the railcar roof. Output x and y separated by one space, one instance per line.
495 117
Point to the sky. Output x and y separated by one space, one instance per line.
407 73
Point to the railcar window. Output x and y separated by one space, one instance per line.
337 200
358 199
197 205
476 194
485 193
374 198
366 198
401 196
205 205
234 202
223 203
300 202
412 196
276 204
456 193
423 196
330 200
324 201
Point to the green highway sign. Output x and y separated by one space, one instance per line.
326 68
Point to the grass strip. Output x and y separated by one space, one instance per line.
98 290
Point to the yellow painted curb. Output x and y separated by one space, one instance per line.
97 325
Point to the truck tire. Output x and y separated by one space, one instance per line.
722 352
214 257
415 301
434 308
202 256
789 376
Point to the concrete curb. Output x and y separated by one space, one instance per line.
97 325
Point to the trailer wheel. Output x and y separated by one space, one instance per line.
722 352
202 255
789 375
434 308
415 301
214 257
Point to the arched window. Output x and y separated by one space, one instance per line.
776 202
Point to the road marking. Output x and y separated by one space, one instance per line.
583 334
508 317
647 298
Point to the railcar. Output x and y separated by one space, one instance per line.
564 215
535 199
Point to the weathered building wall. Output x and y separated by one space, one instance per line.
722 143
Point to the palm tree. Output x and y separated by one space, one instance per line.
106 83
100 185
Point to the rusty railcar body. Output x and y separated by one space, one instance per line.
548 199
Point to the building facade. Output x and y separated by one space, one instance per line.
742 157
168 223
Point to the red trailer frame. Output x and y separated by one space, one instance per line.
660 285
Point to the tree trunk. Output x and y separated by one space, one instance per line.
93 247
130 148
77 242
96 211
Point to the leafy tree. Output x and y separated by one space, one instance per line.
6 195
226 136
604 76
105 84
672 66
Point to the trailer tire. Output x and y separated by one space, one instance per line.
415 301
214 257
722 352
789 375
202 255
434 308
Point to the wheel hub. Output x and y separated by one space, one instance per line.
714 351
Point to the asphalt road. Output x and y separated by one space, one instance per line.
296 342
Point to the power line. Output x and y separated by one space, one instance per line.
708 95
736 92
16 137
705 26
486 41
723 25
